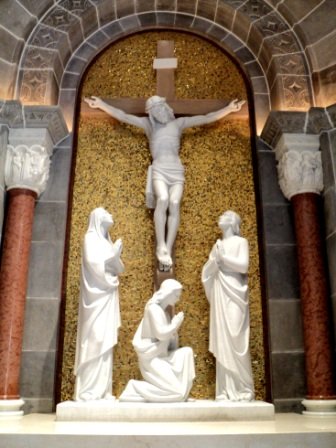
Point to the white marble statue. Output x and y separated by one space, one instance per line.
99 316
224 277
168 371
165 177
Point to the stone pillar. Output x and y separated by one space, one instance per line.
26 174
300 179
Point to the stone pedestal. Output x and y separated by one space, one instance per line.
190 411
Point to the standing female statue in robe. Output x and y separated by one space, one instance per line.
168 371
224 277
99 315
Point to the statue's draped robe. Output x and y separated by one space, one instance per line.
99 317
168 371
227 293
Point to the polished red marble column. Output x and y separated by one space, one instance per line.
13 286
301 181
25 163
314 297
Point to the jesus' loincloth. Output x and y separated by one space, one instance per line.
170 173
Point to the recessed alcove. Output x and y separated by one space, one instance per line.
110 171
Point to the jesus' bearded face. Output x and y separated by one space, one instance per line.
162 113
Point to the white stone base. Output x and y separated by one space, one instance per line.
11 408
319 408
198 410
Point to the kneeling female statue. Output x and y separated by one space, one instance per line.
224 277
168 371
99 316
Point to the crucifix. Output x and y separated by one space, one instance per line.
165 178
165 87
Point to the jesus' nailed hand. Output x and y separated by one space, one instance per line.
166 174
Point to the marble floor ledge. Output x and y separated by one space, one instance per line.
285 431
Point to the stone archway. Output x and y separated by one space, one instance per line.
68 36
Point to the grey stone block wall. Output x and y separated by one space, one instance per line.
328 148
322 122
42 313
3 147
286 352
313 25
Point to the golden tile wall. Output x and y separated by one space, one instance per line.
111 167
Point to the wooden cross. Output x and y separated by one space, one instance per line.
165 64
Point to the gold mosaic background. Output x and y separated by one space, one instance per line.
112 161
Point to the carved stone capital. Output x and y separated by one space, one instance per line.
28 159
299 164
27 137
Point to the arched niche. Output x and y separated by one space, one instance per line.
111 165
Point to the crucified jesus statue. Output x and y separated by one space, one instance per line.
166 174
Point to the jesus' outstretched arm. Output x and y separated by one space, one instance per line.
198 120
97 103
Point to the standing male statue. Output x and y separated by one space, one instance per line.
166 174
